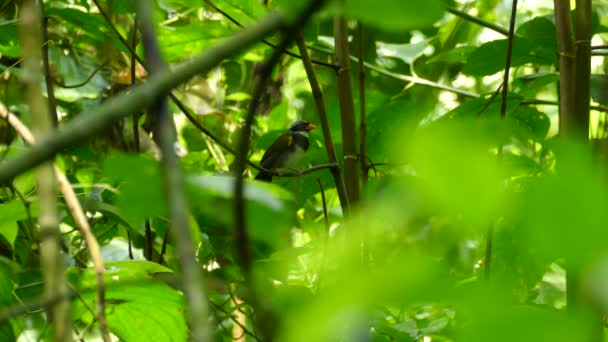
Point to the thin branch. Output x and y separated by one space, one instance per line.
84 127
479 21
51 259
406 78
505 81
50 92
236 321
265 41
362 119
317 95
264 318
34 305
79 218
81 84
191 275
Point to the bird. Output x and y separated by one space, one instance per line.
286 151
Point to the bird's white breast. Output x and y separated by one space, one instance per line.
294 157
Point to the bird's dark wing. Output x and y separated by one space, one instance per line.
278 147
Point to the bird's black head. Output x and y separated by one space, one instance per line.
301 126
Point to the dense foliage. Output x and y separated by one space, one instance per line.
474 212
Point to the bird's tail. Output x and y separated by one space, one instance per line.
264 176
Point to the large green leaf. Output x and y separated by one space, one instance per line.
139 307
11 212
489 58
212 202
140 186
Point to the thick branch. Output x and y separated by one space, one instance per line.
83 127
191 273
347 111
565 45
50 254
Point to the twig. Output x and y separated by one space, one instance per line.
135 128
81 84
149 242
79 218
567 55
191 276
34 305
406 78
264 318
265 41
479 21
50 92
239 324
84 127
50 253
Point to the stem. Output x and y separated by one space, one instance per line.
317 94
84 127
264 317
347 111
48 79
50 252
362 119
478 21
192 282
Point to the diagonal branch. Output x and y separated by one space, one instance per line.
317 94
84 127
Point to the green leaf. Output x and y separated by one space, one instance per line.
139 183
6 298
455 55
392 15
211 200
489 58
11 212
540 31
139 306
10 45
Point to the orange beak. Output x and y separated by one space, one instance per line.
310 127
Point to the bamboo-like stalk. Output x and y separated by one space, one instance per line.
347 111
191 274
582 91
50 253
317 94
567 55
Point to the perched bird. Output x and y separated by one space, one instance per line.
287 150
